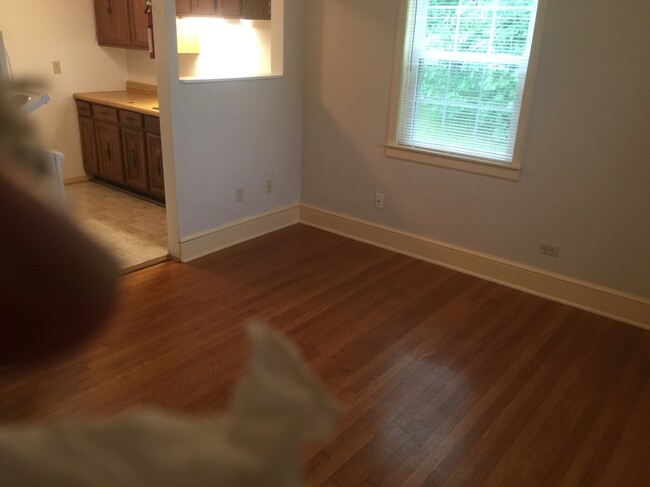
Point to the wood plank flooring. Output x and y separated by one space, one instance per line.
445 379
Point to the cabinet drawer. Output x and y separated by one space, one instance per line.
84 109
152 125
131 119
102 112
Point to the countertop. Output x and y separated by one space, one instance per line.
137 97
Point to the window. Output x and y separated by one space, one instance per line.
461 83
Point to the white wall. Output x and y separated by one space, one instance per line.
586 166
37 32
230 133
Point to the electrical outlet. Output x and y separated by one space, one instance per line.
548 249
379 200
56 67
239 194
269 186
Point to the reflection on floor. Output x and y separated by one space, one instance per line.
133 229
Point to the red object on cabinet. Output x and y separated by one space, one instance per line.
149 12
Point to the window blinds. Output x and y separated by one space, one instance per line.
464 71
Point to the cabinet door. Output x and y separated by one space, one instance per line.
112 20
138 22
135 158
183 7
88 146
229 8
205 7
109 151
154 156
256 9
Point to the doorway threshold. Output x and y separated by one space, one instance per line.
144 265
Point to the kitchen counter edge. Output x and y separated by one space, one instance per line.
126 100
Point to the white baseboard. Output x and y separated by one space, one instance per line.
76 180
205 243
590 297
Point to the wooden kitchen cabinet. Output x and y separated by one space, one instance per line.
109 149
256 9
135 158
154 156
238 9
204 7
87 136
229 8
112 20
134 149
138 24
183 7
88 147
122 147
121 23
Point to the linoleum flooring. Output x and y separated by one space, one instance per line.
133 229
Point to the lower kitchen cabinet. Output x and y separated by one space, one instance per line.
88 145
122 147
154 154
135 159
111 165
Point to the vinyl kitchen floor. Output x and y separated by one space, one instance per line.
133 229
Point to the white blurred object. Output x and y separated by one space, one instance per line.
51 184
28 101
279 407
43 178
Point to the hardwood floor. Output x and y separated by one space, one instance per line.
445 379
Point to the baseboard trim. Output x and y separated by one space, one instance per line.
144 265
76 180
603 301
204 243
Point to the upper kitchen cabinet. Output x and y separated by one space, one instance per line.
138 23
256 9
237 9
203 7
112 19
229 8
183 7
121 23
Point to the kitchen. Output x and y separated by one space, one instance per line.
58 44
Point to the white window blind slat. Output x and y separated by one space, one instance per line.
464 71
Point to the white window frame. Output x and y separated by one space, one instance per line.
395 150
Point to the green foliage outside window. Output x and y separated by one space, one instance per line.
468 72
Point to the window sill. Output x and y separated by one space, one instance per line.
496 170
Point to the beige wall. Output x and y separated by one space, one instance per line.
37 32
586 165
140 67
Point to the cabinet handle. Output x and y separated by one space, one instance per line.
158 166
133 159
109 9
108 151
